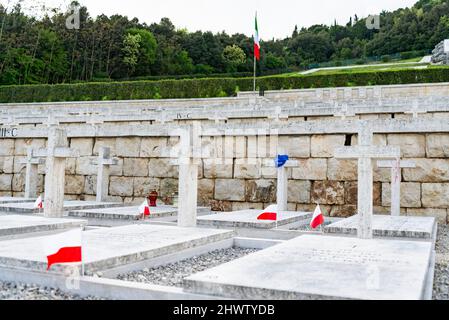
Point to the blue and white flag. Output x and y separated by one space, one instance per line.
281 160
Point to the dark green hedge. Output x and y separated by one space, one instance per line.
204 88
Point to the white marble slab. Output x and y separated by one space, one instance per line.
19 224
389 226
128 213
323 267
28 207
248 219
5 200
112 247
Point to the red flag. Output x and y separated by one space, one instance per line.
64 248
318 218
38 204
269 214
144 209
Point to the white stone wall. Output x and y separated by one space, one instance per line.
144 166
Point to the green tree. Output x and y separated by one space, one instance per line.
131 47
234 56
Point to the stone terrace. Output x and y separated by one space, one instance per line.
143 163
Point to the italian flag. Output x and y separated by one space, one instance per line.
63 248
257 43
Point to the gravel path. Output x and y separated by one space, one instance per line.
441 282
174 273
307 227
12 291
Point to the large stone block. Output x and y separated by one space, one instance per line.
70 166
440 214
230 189
410 195
153 147
378 140
342 211
205 191
90 185
217 168
121 186
435 195
6 182
162 168
323 146
437 145
296 147
18 182
310 169
428 170
84 146
412 145
135 167
6 147
21 145
299 191
351 193
105 142
260 191
7 164
169 187
74 184
128 147
143 186
239 206
85 167
19 167
328 192
247 170
342 170
222 206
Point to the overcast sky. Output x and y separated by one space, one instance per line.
277 18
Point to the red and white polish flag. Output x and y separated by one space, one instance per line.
63 248
38 204
318 218
269 214
144 209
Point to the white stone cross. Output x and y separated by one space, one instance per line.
188 160
55 154
365 152
282 181
103 162
396 166
31 175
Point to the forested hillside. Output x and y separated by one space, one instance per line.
106 48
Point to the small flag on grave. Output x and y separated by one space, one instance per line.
38 204
318 218
144 209
63 248
269 214
281 160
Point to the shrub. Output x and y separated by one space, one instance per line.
211 87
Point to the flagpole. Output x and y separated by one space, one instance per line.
255 68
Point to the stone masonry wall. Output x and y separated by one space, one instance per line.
235 184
